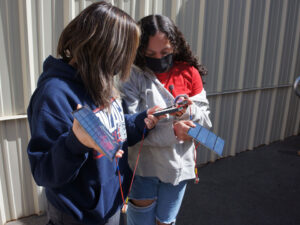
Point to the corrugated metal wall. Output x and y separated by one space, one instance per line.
251 48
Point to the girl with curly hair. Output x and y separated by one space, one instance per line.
165 68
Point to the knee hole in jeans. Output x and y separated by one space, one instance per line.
142 203
160 223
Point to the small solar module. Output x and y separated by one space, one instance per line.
98 132
207 138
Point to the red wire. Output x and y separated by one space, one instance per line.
136 163
196 146
120 181
195 150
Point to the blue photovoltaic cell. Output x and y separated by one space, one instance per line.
219 146
202 136
93 126
211 140
193 131
207 138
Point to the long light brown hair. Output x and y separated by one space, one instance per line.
100 42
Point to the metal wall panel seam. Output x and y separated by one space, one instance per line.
3 64
35 189
191 23
20 201
30 46
291 77
4 206
41 33
16 117
249 90
132 9
175 7
144 9
23 201
38 199
44 32
297 123
8 92
27 58
286 109
53 26
216 123
260 74
82 5
154 7
69 11
121 5
241 79
8 177
277 67
14 172
200 29
223 44
24 168
221 69
180 18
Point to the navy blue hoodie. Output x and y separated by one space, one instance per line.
77 180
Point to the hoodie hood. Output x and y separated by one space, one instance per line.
58 68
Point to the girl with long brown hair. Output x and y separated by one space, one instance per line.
82 186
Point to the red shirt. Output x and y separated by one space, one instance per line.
181 79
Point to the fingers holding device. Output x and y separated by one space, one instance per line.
181 103
152 119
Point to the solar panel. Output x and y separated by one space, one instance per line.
207 138
98 132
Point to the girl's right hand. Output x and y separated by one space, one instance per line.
83 136
181 129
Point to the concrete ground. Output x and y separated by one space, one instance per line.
259 187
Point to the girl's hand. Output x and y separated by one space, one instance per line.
82 135
119 153
180 99
86 139
181 129
151 120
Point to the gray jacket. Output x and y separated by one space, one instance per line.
162 155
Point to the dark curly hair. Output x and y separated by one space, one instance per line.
150 25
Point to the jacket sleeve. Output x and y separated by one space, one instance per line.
199 110
54 152
135 127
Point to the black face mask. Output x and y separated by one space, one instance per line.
159 65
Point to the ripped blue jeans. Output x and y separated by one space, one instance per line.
168 199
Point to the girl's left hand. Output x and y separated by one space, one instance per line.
151 120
